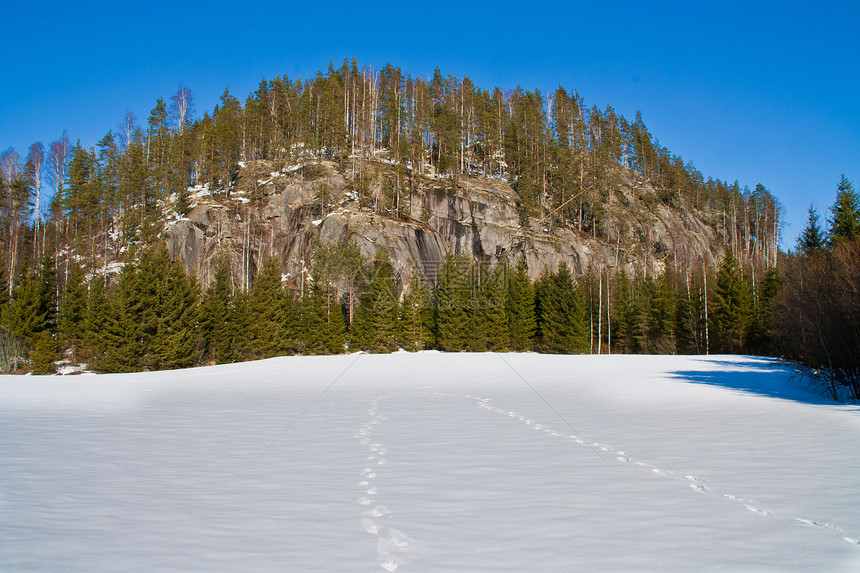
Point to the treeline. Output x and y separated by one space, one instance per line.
155 317
819 304
564 159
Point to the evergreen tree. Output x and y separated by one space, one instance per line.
730 308
26 315
416 315
179 342
493 314
272 326
662 315
520 306
375 326
216 325
96 319
845 224
121 342
44 353
322 329
73 309
453 330
561 314
811 240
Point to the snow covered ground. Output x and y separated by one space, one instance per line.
430 462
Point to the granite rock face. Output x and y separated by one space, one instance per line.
287 213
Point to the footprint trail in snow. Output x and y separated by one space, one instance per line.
694 482
392 545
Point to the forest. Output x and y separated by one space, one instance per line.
89 279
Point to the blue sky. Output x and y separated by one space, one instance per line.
744 91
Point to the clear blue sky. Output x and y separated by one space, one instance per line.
757 92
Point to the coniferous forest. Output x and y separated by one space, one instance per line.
61 298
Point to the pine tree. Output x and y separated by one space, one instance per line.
520 306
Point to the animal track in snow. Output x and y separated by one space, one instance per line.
694 482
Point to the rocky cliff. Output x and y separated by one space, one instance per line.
285 212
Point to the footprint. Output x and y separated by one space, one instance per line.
369 526
851 540
364 483
660 472
758 510
372 491
363 501
379 511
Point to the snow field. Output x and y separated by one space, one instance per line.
430 462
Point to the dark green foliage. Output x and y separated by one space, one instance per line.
216 325
731 309
322 323
561 314
44 353
73 309
453 328
416 315
120 340
811 240
492 313
375 326
274 316
662 316
26 315
845 225
520 307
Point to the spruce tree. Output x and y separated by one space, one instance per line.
453 330
493 314
322 327
845 225
73 309
375 327
96 319
562 312
44 353
730 308
520 306
180 345
216 326
662 315
269 324
416 315
25 316
811 240
122 334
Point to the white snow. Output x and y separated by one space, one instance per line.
430 462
